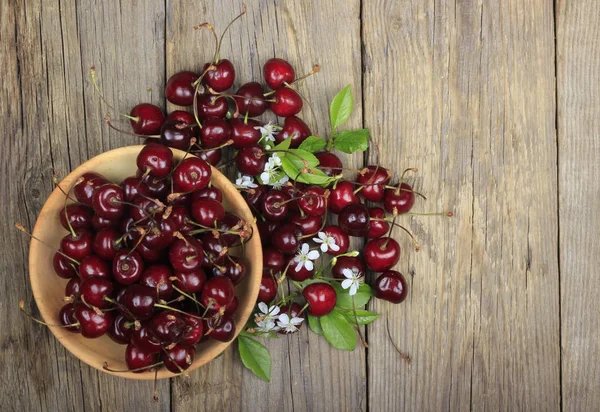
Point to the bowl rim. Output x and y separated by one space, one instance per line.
62 335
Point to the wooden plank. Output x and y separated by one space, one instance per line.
307 373
55 122
465 92
578 82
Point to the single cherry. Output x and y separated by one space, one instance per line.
215 132
177 134
251 160
347 263
250 99
221 77
99 223
379 227
295 128
399 200
72 289
158 277
191 174
94 290
210 192
341 239
158 187
108 200
208 105
354 220
244 132
321 298
63 266
76 214
391 286
373 180
127 266
161 236
147 119
185 254
381 254
273 261
67 317
178 358
138 360
309 225
88 183
218 292
341 196
143 339
329 163
313 201
286 238
77 247
93 266
194 330
120 330
155 158
167 327
179 89
287 102
139 300
212 156
223 330
182 116
268 289
274 205
277 72
207 212
235 268
93 325
190 282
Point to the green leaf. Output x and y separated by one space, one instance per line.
350 141
315 324
364 317
312 144
338 331
255 357
284 145
341 107
314 177
299 156
344 300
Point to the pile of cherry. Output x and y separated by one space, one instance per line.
148 260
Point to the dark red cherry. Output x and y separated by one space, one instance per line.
139 301
354 220
295 128
378 226
133 187
212 156
179 89
221 77
156 158
213 248
208 105
277 72
107 243
391 286
347 262
254 197
191 174
79 216
309 225
182 116
94 266
150 255
244 133
373 180
147 119
381 254
218 291
143 208
99 223
321 298
127 266
240 232
107 201
194 330
167 327
286 238
329 163
120 330
88 183
178 358
138 360
210 192
232 307
268 289
158 277
215 132
313 201
293 311
223 329
287 102
251 160
341 196
274 205
161 236
180 215
341 239
207 212
72 289
143 339
399 200
250 100
158 187
93 325
94 290
77 247
234 268
273 261
190 282
64 267
67 317
266 229
177 134
185 255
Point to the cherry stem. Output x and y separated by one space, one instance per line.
97 88
362 338
30 316
389 234
225 31
22 229
314 70
80 180
447 214
143 368
193 299
399 188
312 111
159 305
414 240
57 185
155 390
172 360
214 33
403 355
150 136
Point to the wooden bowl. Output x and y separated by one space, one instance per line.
48 288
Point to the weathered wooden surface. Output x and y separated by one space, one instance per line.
578 123
501 313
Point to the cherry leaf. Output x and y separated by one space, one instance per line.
350 141
338 331
341 107
255 357
312 144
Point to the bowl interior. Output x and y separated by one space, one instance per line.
48 288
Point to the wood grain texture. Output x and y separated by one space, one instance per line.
578 81
307 373
465 91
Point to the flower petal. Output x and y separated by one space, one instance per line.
274 310
322 235
305 248
347 283
308 265
317 240
353 288
348 273
263 307
313 255
334 247
300 264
